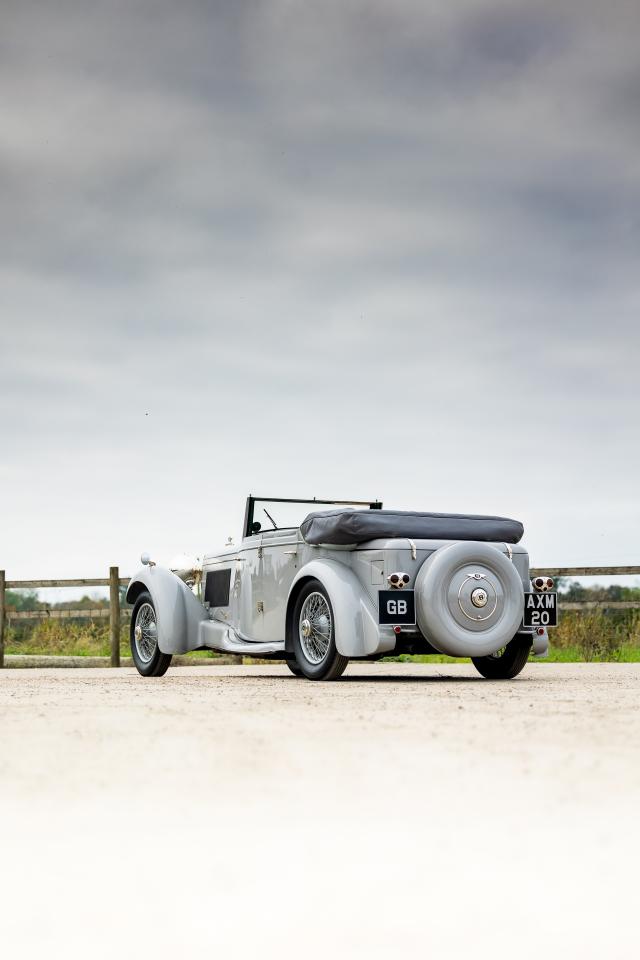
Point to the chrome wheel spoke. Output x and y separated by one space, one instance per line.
145 633
315 628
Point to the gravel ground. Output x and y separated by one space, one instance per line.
405 810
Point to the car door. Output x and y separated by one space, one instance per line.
232 587
249 585
277 568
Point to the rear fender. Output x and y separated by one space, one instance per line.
178 611
357 631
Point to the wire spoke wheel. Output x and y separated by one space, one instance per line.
315 628
148 658
312 635
146 632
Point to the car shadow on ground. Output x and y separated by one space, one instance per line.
431 678
378 678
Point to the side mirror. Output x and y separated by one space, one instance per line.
146 560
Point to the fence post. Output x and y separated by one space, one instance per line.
114 615
3 581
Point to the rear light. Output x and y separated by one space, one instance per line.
542 584
397 629
398 580
540 631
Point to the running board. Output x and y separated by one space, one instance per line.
220 636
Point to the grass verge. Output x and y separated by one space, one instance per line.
594 636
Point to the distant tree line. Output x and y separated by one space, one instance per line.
572 590
24 600
28 600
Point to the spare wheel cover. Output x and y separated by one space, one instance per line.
469 599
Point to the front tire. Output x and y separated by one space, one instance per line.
314 641
294 668
506 663
147 656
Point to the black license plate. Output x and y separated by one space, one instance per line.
540 610
397 607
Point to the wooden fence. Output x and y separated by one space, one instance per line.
114 581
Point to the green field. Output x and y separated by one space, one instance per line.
627 654
591 636
597 635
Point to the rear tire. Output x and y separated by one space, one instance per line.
507 663
147 656
313 639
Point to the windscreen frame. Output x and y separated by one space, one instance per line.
247 530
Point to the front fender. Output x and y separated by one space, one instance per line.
357 631
178 611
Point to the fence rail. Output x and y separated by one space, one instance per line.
35 584
94 613
114 581
585 571
600 604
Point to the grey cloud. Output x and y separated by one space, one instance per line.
263 223
516 36
165 178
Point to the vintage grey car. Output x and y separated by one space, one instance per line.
350 581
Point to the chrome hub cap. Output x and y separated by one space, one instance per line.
315 628
145 632
479 597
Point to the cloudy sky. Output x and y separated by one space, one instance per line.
352 249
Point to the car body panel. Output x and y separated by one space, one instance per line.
178 611
357 631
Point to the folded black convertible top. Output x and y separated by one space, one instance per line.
345 527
